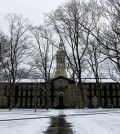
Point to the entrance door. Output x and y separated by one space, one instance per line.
61 102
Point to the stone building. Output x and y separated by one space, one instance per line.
62 91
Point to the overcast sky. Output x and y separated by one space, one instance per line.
32 9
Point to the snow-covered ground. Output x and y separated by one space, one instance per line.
99 121
21 121
84 121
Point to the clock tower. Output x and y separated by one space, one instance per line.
60 62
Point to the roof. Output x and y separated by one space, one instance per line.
88 80
27 81
102 80
84 80
62 77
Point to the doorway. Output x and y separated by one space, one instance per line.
61 101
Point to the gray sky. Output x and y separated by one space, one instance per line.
32 9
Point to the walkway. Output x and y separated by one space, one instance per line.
59 125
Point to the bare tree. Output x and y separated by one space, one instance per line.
3 53
43 56
108 15
94 59
111 35
115 4
74 24
17 49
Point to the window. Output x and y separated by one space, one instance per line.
43 93
28 101
92 92
119 100
29 92
102 101
38 100
24 92
23 100
32 101
108 93
118 87
13 93
113 86
43 101
118 93
19 92
19 99
92 86
114 100
38 92
114 93
13 100
7 92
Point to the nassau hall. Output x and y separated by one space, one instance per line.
62 92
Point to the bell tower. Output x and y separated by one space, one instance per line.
60 62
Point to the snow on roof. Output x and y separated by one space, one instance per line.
27 81
102 80
84 80
30 80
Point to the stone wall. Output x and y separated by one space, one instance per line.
60 90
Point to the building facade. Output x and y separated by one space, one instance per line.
62 91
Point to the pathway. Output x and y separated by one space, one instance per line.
59 125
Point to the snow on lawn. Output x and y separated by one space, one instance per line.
24 127
83 121
37 125
98 121
26 113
